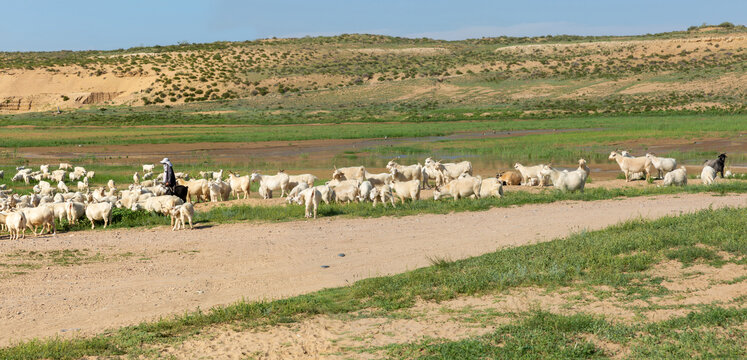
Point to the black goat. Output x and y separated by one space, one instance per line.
717 164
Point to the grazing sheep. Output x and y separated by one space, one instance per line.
74 210
83 185
40 216
718 164
58 175
272 182
148 168
510 178
311 198
90 174
62 187
65 166
450 171
239 185
406 189
530 172
327 193
147 176
179 214
630 166
431 172
16 224
382 193
364 191
295 191
462 187
676 177
345 190
708 175
662 165
162 204
565 180
60 210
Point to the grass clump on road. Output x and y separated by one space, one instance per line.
617 257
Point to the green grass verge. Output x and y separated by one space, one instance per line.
616 257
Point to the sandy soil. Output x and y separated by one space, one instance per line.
334 337
144 274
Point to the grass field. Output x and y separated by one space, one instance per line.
618 259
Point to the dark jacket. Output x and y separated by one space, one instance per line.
169 179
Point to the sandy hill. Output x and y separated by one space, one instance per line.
700 67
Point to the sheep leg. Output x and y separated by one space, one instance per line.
190 222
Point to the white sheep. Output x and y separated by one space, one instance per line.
708 175
406 189
181 214
491 187
406 172
630 166
148 168
198 188
99 211
239 185
530 172
364 191
461 187
136 178
345 190
74 210
272 182
311 198
65 166
675 177
295 191
40 216
327 193
565 180
349 173
16 223
382 193
662 165
90 174
302 178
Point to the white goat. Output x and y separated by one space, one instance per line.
239 185
708 175
460 187
180 214
630 166
530 172
406 189
565 180
662 165
676 177
311 198
272 182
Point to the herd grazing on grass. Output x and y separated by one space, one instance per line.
400 183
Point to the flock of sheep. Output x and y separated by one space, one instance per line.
47 202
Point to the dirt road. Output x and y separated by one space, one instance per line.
128 276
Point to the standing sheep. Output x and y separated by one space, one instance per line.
180 213
99 211
676 177
708 175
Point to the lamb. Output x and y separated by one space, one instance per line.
40 216
565 180
406 189
303 178
630 166
675 177
74 210
708 175
197 188
311 197
530 172
406 173
272 182
661 164
349 173
180 213
461 187
718 164
510 178
239 185
382 193
364 191
16 223
148 168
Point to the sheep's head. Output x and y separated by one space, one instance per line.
255 177
517 166
581 162
545 170
722 157
391 164
338 175
437 193
613 155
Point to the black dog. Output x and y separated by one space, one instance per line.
717 164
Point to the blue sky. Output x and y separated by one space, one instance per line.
29 25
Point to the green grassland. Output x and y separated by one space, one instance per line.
617 257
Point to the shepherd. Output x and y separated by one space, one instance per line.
169 181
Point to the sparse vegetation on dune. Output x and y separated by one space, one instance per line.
614 263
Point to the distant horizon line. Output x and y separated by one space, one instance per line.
725 25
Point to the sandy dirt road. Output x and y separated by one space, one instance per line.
143 274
